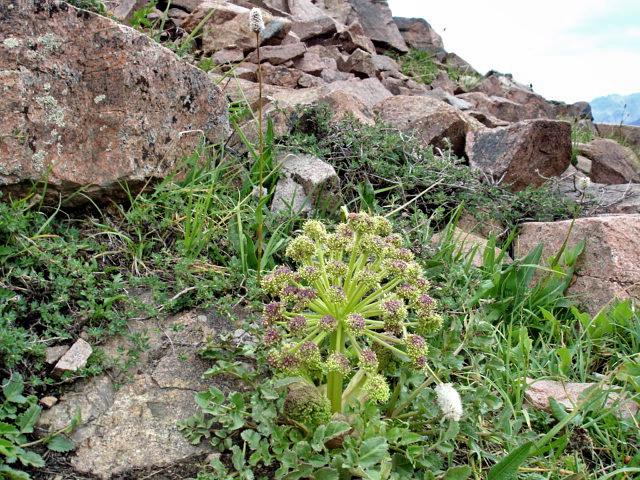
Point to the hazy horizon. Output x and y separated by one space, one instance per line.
570 51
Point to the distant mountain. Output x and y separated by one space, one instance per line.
611 109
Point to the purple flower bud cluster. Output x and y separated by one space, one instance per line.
416 346
338 362
307 273
337 268
360 222
297 324
368 360
272 312
336 295
271 337
328 323
275 281
355 323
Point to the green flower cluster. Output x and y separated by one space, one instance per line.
356 291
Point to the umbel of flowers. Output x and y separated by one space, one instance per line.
355 296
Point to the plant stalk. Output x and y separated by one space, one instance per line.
259 226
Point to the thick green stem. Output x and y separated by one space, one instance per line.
334 379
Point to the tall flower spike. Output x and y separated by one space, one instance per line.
256 22
449 401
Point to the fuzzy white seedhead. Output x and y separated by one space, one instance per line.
256 22
584 183
449 401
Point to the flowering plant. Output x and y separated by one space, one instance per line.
355 296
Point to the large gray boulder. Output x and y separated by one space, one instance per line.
89 103
417 33
433 121
611 162
522 154
377 22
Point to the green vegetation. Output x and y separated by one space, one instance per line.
97 6
190 241
18 416
579 134
419 65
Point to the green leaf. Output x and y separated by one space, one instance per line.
13 474
507 468
28 458
326 474
335 429
458 473
372 451
13 388
28 418
60 444
8 429
557 409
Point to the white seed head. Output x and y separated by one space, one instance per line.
449 401
256 22
584 183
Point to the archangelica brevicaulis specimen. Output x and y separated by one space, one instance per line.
356 294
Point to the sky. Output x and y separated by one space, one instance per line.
570 50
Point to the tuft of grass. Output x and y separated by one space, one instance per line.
419 65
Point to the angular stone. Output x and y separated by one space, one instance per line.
443 81
188 5
310 21
228 27
85 103
360 63
433 121
417 33
608 267
53 354
280 75
487 119
569 394
522 154
377 23
612 163
124 9
48 402
499 107
228 55
353 37
310 62
279 54
306 183
75 358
